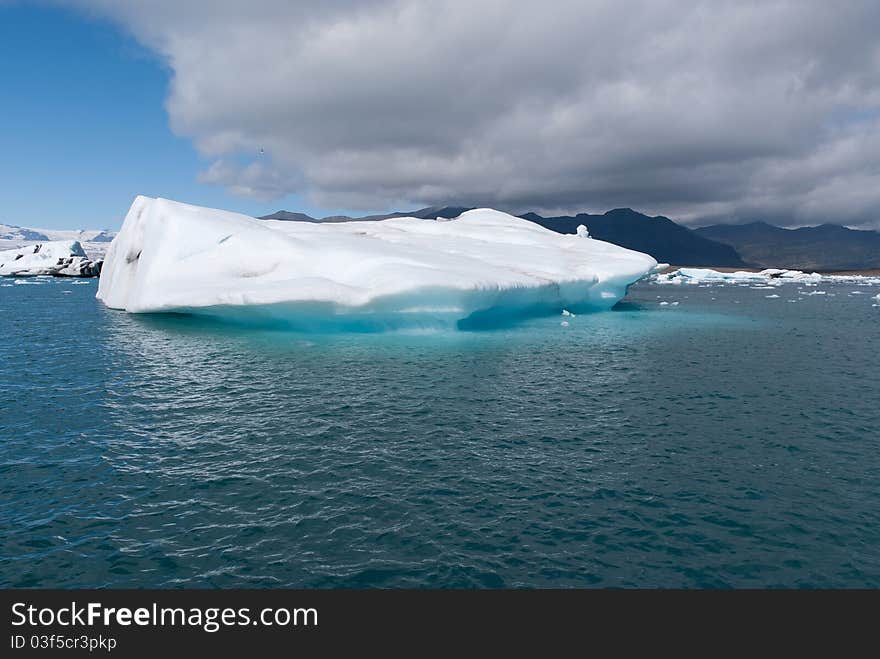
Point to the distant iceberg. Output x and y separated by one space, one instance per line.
769 276
482 266
60 258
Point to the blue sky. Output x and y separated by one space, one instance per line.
83 127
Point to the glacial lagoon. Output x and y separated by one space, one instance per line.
726 438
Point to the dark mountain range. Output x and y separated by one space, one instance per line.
428 213
659 236
827 247
287 216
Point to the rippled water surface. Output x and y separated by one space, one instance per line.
729 440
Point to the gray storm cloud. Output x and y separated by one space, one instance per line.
724 110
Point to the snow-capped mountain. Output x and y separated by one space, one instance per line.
94 241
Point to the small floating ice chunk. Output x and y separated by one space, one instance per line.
582 231
564 323
770 297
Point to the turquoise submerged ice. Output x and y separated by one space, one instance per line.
404 272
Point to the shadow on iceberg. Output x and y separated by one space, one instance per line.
628 305
432 309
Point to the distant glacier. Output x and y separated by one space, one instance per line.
94 242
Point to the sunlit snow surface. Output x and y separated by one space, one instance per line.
480 268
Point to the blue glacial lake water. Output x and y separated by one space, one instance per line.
729 440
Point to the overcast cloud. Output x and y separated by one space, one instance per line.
725 110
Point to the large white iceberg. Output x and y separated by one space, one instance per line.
174 257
